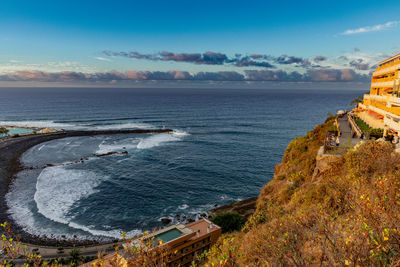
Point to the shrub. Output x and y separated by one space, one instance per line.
229 221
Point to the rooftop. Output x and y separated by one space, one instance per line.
203 227
389 59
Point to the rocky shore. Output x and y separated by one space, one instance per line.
245 208
10 151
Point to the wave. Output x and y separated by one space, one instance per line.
180 133
120 126
38 124
183 206
76 125
123 145
58 198
111 233
58 189
156 140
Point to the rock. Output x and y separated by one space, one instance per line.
215 205
190 220
203 215
50 165
166 220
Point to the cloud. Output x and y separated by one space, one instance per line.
207 58
238 60
336 75
102 59
111 77
374 28
359 64
278 76
319 58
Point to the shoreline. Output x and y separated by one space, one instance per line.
11 150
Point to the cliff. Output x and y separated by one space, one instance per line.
346 214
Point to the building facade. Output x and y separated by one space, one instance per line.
380 108
176 245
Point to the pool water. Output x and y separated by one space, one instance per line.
17 131
168 235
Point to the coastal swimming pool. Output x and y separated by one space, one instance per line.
168 235
12 131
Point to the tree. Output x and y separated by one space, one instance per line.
76 258
229 221
356 101
3 130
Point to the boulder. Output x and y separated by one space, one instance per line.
166 220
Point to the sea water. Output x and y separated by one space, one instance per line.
224 147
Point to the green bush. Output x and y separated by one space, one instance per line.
366 129
229 221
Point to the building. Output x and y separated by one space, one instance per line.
179 244
381 106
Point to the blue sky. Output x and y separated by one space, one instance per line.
72 36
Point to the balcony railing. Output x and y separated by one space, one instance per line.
386 79
384 98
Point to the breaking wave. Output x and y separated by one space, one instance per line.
77 126
58 189
158 139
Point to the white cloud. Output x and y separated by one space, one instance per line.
102 59
374 28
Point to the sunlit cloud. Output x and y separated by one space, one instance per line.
103 59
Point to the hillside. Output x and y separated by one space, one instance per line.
346 215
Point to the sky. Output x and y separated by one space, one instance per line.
127 42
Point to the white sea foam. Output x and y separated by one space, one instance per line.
122 145
39 124
180 133
158 139
76 126
58 189
110 233
20 201
183 207
122 126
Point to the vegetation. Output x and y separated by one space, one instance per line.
366 129
356 100
3 130
348 215
229 221
76 258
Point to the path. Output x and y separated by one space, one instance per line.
346 136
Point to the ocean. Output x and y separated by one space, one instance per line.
224 148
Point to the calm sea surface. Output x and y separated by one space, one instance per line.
224 148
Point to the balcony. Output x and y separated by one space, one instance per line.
390 67
383 84
386 79
388 99
391 123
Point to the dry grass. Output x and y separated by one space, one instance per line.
348 215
